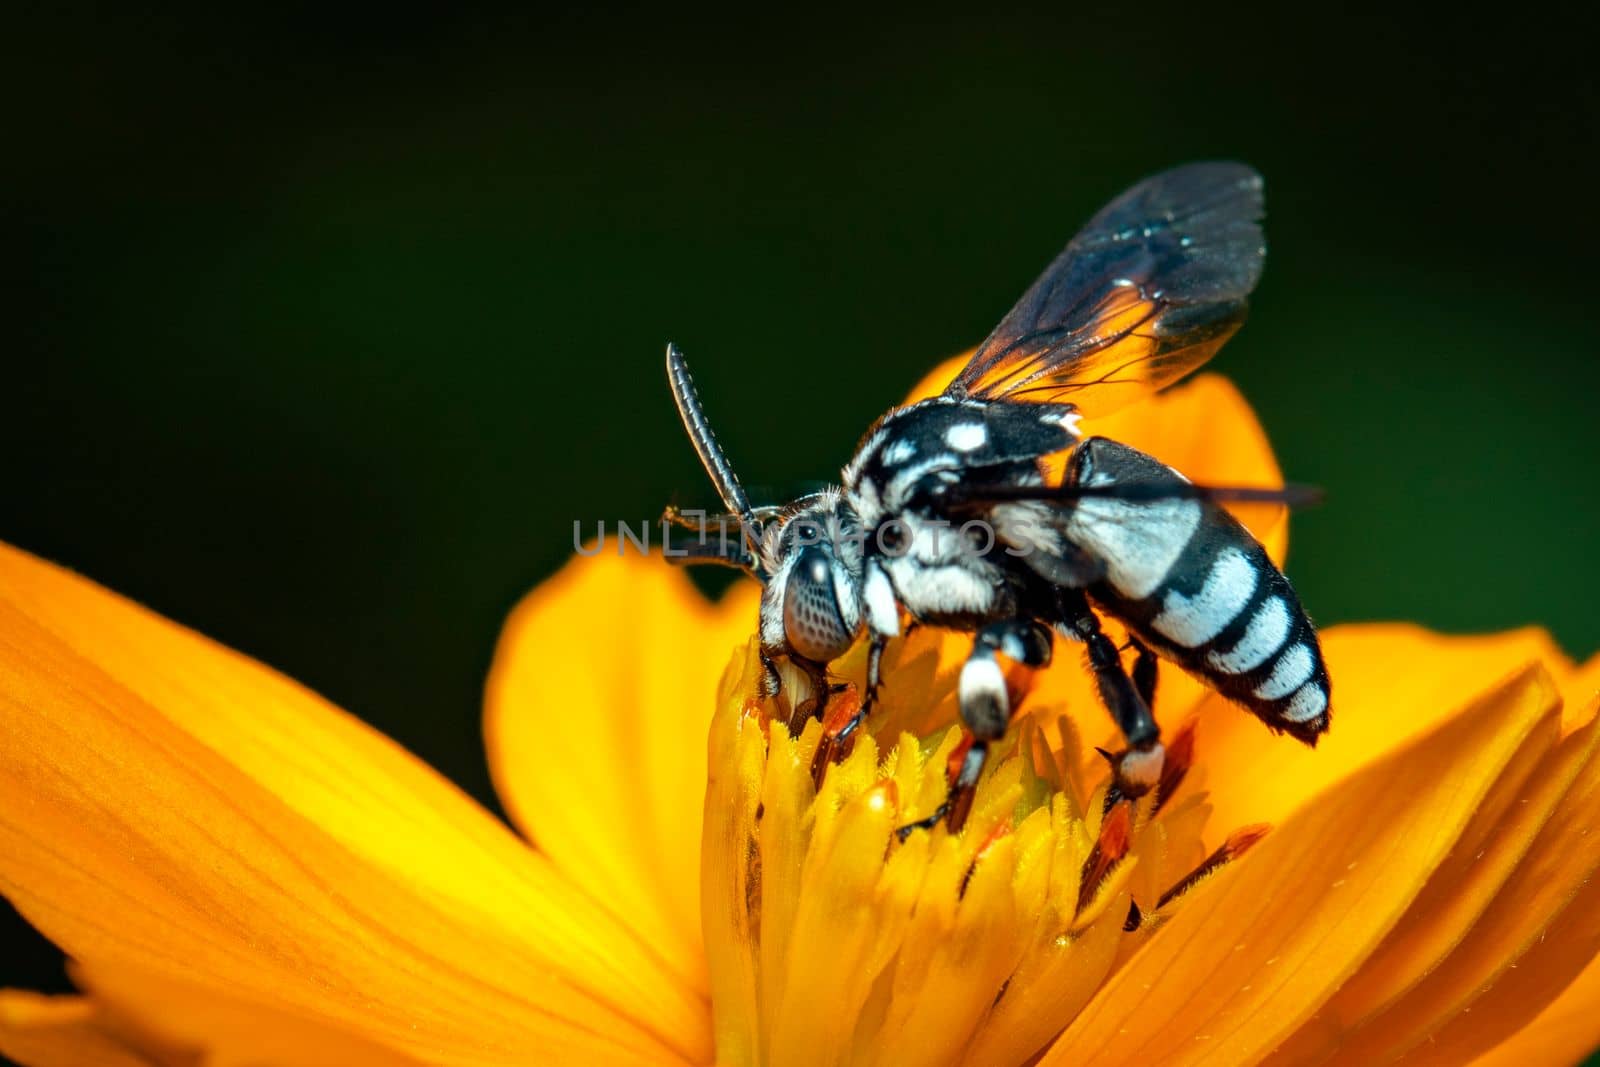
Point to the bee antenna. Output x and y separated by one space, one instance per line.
704 441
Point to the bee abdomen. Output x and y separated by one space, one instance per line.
1287 685
1226 613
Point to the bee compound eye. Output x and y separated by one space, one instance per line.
811 618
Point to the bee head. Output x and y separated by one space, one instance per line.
812 604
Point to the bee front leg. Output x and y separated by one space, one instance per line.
837 742
874 672
811 678
815 705
986 708
771 680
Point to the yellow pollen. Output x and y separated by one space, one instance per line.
832 941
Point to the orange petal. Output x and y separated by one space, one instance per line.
734 893
1537 936
1566 1031
41 1031
1579 691
1401 994
193 1022
1256 948
171 807
1391 684
597 710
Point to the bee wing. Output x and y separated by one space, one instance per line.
1145 293
1259 508
1294 496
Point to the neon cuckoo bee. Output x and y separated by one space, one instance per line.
947 514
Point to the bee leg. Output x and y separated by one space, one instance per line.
986 708
1138 768
815 705
835 744
771 680
963 784
874 670
1145 667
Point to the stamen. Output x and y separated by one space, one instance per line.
831 930
1000 830
1116 832
1180 757
1238 843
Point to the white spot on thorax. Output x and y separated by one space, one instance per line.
1068 421
899 452
1268 630
967 436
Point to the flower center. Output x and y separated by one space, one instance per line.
833 940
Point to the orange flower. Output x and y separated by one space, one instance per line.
239 870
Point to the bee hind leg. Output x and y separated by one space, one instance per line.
1145 666
1137 769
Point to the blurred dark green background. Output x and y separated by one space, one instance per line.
324 327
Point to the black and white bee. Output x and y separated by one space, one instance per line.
947 515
